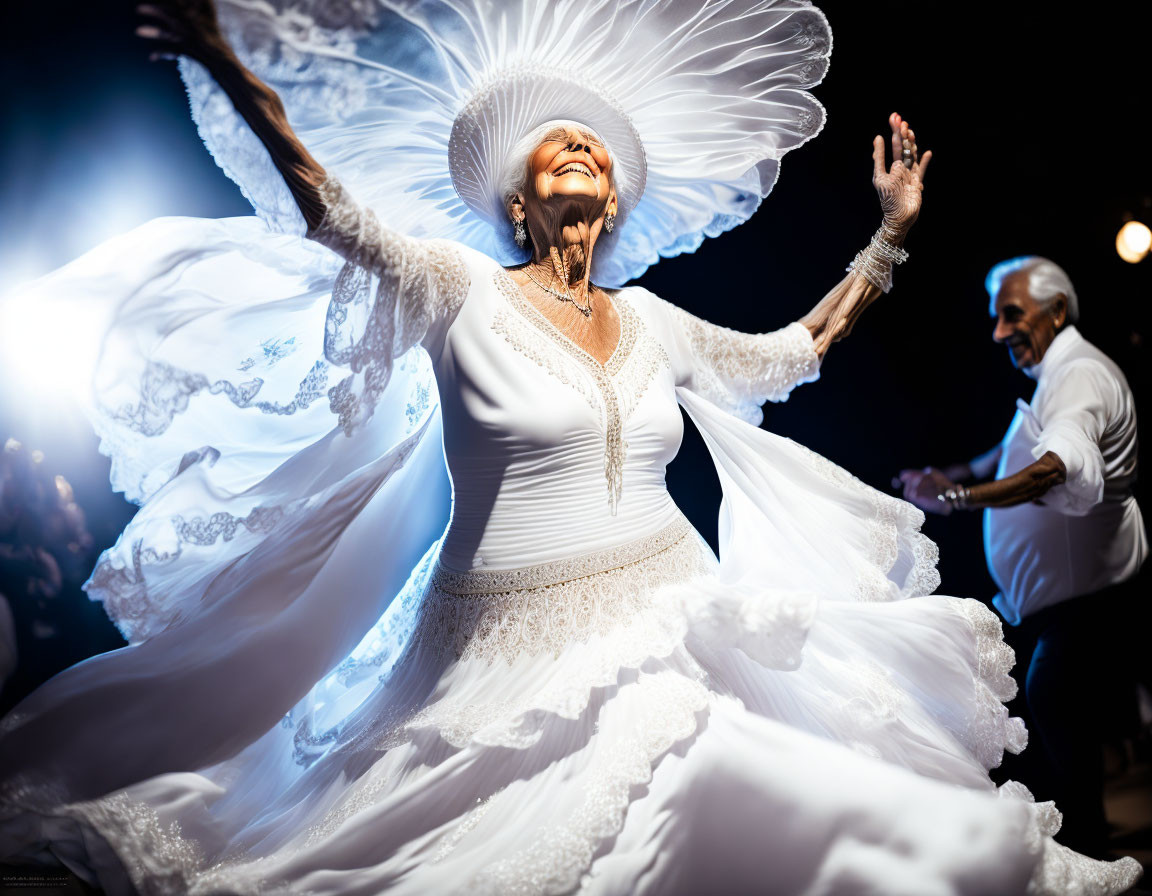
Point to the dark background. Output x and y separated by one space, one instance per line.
1038 122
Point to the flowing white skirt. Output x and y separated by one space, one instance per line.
610 749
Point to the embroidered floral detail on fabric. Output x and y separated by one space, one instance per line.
224 525
493 614
272 352
610 384
166 390
124 590
560 855
422 393
419 283
740 371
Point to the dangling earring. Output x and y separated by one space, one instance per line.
519 232
609 222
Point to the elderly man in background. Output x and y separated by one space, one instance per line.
1063 534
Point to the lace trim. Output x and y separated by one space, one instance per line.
893 536
366 793
740 371
124 590
1060 871
557 572
991 730
560 855
639 371
494 614
563 368
420 282
606 377
465 826
156 857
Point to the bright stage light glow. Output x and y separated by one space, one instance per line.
52 351
1133 241
50 343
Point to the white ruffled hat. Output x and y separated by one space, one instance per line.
416 104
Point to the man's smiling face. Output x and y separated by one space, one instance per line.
1025 326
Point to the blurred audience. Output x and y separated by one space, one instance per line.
44 545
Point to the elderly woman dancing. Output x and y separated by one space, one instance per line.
446 630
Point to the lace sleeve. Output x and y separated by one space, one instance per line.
740 371
419 287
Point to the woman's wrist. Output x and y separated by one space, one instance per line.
876 261
217 55
894 232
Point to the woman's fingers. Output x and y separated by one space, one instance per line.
151 11
152 32
158 25
905 145
877 158
922 167
895 121
161 19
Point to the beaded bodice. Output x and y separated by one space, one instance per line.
550 451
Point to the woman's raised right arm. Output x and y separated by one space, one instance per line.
190 28
420 283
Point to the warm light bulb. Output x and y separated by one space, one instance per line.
1133 241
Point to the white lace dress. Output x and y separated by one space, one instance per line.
335 688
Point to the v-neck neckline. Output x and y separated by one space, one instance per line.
624 343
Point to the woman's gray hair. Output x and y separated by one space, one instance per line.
514 177
1046 281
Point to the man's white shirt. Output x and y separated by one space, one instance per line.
1088 533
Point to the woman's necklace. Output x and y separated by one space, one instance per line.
565 296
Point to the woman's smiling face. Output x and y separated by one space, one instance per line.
571 162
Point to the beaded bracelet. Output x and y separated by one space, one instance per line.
956 497
875 262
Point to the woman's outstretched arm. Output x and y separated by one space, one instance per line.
420 284
190 28
899 188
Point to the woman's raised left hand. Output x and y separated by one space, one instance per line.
182 28
900 185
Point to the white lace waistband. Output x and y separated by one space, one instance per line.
557 572
487 614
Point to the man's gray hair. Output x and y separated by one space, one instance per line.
1046 280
